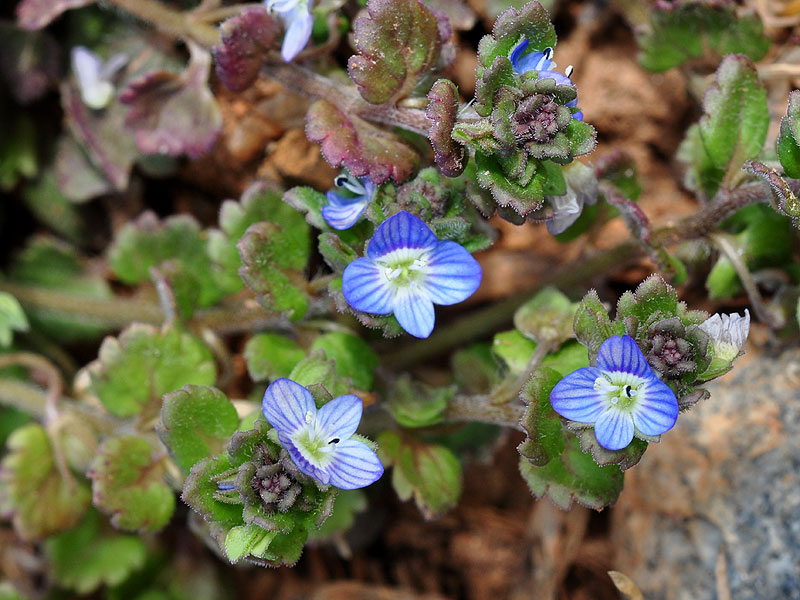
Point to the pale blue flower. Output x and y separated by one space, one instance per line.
542 63
296 16
321 442
622 396
581 190
728 334
341 212
95 76
406 271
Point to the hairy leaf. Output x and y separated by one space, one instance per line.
271 355
442 111
417 405
127 484
398 43
788 142
352 355
34 492
364 149
785 200
246 38
134 371
531 22
196 421
545 439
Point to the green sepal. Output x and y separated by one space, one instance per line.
523 199
414 404
625 459
134 371
352 356
201 491
429 473
531 22
35 494
196 421
88 556
271 355
128 484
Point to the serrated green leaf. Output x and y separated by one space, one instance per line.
12 318
592 324
34 493
530 22
317 369
134 371
352 355
271 355
735 117
507 193
398 43
429 473
545 440
196 421
309 202
788 142
695 30
128 484
87 557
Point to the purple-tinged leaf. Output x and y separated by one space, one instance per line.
174 114
398 43
784 199
531 22
35 14
102 135
361 147
246 38
29 62
78 179
442 111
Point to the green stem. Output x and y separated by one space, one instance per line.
26 397
481 409
39 364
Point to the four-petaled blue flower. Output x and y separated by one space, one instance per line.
342 213
406 270
296 16
319 441
621 396
542 63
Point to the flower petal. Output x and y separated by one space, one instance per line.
566 210
560 78
302 463
286 404
340 417
414 312
614 429
343 215
453 274
575 398
365 287
517 53
354 465
297 34
656 409
622 354
402 230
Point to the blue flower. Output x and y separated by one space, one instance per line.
341 212
95 76
321 442
296 16
621 396
406 270
542 63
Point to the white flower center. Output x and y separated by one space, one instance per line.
315 443
405 267
620 389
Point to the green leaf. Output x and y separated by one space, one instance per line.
17 149
196 421
317 369
246 540
259 202
274 255
475 369
531 22
592 324
36 495
416 405
309 202
653 297
352 355
545 440
429 473
271 355
49 263
788 142
128 484
134 371
509 193
547 317
694 30
177 248
44 198
87 557
12 318
735 120
398 43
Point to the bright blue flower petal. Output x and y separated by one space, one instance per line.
560 78
620 353
578 115
517 53
414 312
354 465
575 398
343 214
318 473
286 405
366 288
340 417
453 274
614 429
297 34
656 408
402 230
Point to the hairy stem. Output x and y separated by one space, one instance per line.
26 397
481 409
174 22
510 388
39 364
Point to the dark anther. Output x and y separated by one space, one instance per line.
340 181
628 391
334 441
